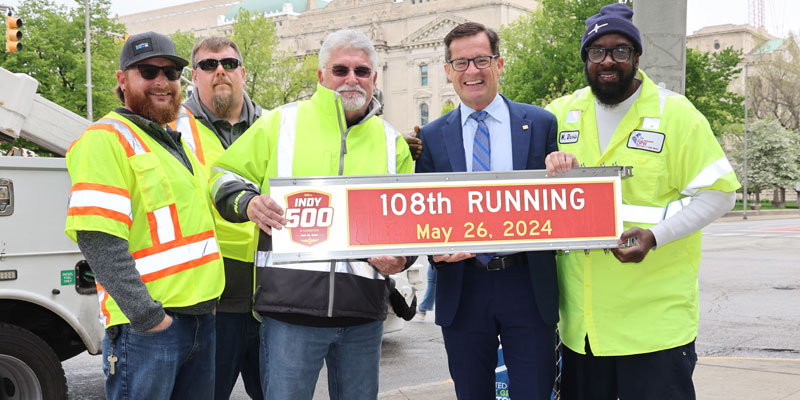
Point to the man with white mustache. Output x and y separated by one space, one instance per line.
331 310
224 112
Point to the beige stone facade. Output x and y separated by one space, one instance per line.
407 35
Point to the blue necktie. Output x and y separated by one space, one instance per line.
481 149
481 159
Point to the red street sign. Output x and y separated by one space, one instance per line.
527 212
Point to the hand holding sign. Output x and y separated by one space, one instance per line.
266 213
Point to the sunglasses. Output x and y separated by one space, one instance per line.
210 64
150 72
342 71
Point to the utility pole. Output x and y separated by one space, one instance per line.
744 163
88 63
662 25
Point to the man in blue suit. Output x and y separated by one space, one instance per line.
481 296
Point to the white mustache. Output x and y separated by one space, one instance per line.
348 88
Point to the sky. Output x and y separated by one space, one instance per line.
781 16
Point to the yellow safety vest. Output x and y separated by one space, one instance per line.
126 184
634 308
236 240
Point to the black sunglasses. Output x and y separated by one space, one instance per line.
210 64
150 72
342 71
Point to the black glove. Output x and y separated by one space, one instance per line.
399 305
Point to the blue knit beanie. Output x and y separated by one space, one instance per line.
613 18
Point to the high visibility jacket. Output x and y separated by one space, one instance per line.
126 184
634 308
236 240
311 138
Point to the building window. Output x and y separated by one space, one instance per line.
423 75
423 114
716 45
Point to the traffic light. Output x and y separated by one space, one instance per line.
13 35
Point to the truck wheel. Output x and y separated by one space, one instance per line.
29 369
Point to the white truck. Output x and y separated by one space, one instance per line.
48 301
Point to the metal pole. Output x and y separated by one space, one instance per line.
88 64
744 164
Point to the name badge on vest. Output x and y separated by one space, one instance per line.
646 140
568 137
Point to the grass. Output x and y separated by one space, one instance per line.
765 205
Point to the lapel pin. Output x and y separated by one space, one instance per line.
524 126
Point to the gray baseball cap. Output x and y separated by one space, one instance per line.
142 46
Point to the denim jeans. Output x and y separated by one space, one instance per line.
430 291
174 363
352 355
237 351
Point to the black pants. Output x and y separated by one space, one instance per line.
665 374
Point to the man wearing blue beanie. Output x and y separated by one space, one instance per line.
629 318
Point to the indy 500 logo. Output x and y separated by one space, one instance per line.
309 216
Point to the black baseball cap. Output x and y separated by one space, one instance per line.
142 46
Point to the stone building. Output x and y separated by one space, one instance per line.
407 34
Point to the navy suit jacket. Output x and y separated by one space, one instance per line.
533 136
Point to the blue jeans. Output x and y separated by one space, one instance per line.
237 351
174 363
352 355
430 291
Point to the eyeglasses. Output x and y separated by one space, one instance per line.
481 62
210 64
619 54
150 72
342 71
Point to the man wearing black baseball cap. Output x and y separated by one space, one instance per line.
139 211
629 317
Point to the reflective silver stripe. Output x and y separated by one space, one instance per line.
165 229
183 126
286 136
101 294
652 215
126 133
358 268
176 256
263 258
654 123
96 198
391 147
708 176
227 176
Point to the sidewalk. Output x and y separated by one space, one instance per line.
760 214
715 378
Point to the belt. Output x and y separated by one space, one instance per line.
498 263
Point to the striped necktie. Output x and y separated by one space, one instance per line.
481 160
481 149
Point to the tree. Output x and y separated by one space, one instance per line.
708 77
54 54
774 89
772 157
255 35
292 78
542 51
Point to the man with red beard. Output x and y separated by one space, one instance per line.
139 211
224 111
629 329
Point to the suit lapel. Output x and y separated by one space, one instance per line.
454 142
521 128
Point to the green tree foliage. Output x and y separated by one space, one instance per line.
447 107
773 156
774 85
292 78
542 51
55 55
256 38
707 79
